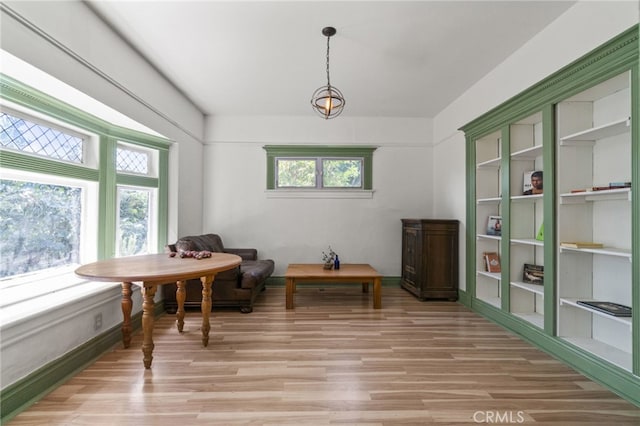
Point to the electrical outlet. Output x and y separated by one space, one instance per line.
97 322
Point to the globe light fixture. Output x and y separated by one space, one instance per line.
327 100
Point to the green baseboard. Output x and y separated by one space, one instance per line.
20 395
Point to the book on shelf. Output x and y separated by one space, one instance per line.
533 274
532 182
612 185
491 261
494 225
615 309
580 244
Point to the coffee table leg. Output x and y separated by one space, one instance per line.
377 295
127 305
180 298
206 307
290 287
148 292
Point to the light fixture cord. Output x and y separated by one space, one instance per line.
328 79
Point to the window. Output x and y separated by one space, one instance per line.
341 168
74 188
135 221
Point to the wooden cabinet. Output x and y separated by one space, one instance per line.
430 258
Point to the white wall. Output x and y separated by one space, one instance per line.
578 31
297 230
65 40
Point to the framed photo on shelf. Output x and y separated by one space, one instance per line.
494 225
533 274
532 182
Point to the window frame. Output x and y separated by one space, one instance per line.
319 153
30 103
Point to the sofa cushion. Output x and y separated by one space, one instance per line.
210 242
255 272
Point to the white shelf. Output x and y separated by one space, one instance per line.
527 241
533 288
493 301
493 275
490 200
528 154
495 162
526 198
603 251
574 302
534 318
607 352
488 237
606 130
605 195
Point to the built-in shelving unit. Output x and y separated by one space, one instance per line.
595 152
577 129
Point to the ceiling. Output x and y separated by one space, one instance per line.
389 58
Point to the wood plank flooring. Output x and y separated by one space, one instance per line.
332 360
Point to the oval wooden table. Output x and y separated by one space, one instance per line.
150 271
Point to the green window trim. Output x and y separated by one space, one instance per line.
105 174
316 151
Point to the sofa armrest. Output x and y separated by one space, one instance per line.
244 253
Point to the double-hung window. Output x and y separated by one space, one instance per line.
318 168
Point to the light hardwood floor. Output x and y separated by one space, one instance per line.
332 360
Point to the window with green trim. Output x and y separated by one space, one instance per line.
74 188
312 167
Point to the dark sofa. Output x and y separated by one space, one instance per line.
237 287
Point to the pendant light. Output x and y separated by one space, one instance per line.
328 101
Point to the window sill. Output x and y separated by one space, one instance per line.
320 193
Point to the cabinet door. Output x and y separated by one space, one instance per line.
411 242
594 206
441 265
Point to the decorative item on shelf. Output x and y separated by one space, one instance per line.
540 234
492 261
533 274
336 262
327 100
580 244
329 259
532 182
615 309
494 225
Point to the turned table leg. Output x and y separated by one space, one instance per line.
148 292
127 305
206 307
181 295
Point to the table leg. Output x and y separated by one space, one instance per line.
127 305
365 287
148 292
180 298
206 307
377 295
290 288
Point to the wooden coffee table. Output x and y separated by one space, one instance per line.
348 273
